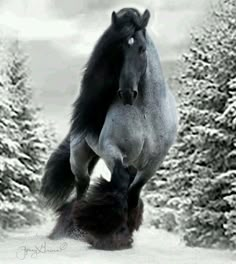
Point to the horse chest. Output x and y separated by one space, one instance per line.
138 133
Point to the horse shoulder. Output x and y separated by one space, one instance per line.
122 131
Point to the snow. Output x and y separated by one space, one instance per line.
151 246
101 170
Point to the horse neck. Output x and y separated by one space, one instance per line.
155 88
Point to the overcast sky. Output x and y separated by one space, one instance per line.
73 25
60 34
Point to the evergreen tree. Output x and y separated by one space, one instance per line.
24 143
199 183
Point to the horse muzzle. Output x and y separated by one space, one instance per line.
128 96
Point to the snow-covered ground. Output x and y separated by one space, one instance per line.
30 246
151 246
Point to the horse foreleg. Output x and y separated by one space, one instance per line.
82 161
140 180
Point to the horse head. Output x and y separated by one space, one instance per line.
132 25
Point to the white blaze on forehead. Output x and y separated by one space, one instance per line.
131 41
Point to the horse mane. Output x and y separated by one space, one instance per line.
100 81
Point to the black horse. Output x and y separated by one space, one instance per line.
125 114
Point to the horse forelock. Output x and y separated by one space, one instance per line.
124 11
131 17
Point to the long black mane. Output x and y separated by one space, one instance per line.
100 82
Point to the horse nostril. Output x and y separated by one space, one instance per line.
135 94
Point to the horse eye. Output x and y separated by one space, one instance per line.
131 41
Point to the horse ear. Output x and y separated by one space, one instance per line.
114 18
145 18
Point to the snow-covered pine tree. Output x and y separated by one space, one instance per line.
198 179
25 142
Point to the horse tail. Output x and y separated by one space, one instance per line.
58 180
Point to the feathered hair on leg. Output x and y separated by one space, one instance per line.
135 217
65 226
121 237
102 217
